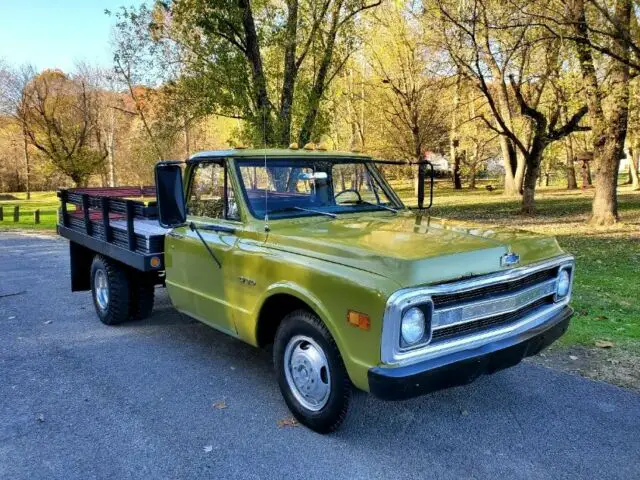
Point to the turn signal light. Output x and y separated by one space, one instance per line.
358 319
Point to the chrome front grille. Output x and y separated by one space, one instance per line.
492 309
474 311
496 321
447 299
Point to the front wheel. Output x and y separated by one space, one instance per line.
310 372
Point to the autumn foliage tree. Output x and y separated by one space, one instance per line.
60 119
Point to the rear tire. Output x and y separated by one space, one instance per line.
310 371
142 297
110 290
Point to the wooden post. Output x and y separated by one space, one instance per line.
36 216
1 213
16 213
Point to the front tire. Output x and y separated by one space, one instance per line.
310 371
110 290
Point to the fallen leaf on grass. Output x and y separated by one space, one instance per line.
602 317
48 322
464 413
288 422
208 448
572 357
220 405
604 344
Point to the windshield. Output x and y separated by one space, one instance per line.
296 187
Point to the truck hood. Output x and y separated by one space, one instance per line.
411 250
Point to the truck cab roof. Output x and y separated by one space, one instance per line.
272 153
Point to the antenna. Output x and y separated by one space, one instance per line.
266 187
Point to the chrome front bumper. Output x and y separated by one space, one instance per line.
463 367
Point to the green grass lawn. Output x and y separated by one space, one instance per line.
607 283
47 202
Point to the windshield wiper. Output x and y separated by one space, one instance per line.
380 205
288 209
328 214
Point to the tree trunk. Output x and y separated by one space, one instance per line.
634 157
290 74
187 139
572 183
529 186
472 176
27 164
320 81
454 153
608 133
509 162
261 96
629 180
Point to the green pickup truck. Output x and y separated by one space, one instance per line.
313 252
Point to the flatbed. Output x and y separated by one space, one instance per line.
121 223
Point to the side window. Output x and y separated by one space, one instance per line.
206 197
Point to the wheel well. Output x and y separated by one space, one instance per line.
274 309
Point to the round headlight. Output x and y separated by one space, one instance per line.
564 283
412 326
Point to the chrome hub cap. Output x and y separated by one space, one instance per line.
307 372
101 287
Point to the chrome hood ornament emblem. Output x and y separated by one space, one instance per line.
509 259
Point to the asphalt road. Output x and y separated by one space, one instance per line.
82 400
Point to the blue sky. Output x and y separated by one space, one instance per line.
57 33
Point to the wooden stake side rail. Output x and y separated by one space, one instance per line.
105 222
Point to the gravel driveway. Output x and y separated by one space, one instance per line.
82 400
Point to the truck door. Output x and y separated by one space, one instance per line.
197 276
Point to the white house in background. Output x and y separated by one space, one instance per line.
495 167
440 162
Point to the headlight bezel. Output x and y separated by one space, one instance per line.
569 270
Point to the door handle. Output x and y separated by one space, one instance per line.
175 235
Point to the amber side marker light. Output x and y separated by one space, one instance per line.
358 319
154 262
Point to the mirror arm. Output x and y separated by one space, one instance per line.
193 228
421 175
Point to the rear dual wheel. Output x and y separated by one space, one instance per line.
118 294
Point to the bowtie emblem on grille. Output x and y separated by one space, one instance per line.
509 259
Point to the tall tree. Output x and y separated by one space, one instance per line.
606 37
246 59
608 131
61 121
411 99
13 103
510 63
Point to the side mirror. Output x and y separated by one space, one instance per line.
172 210
422 166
